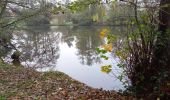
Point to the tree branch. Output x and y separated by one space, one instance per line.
26 17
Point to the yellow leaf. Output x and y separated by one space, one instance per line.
121 55
103 33
106 69
108 47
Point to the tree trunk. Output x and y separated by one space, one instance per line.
161 53
161 60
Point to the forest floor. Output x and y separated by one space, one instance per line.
19 83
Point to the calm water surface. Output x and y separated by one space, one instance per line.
70 50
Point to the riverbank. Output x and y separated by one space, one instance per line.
25 83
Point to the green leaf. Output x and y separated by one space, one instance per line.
120 65
98 50
120 77
105 57
102 51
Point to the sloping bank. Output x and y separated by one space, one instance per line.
24 83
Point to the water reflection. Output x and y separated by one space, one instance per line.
39 48
87 41
68 49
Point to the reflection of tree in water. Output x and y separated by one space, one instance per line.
39 49
40 46
67 35
87 41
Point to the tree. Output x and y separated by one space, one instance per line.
148 61
144 55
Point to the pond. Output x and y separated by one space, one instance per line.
71 50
